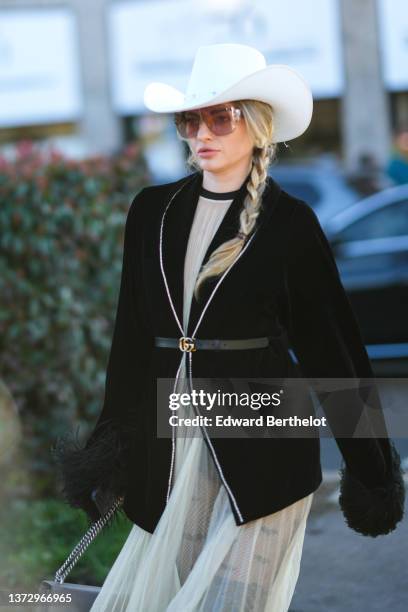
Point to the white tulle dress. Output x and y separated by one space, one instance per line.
198 559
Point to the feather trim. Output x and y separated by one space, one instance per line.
373 511
98 468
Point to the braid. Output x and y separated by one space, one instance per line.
255 188
222 257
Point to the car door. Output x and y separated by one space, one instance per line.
372 256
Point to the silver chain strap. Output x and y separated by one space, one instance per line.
85 541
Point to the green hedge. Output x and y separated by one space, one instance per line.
37 536
61 245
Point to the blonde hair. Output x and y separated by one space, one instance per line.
259 121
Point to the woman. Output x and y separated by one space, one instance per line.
219 269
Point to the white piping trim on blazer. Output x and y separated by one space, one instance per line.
173 441
190 356
161 260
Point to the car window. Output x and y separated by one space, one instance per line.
391 220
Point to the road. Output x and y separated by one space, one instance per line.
341 570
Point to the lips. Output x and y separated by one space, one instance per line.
206 152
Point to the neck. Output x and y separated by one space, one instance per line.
227 180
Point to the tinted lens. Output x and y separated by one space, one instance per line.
187 124
219 121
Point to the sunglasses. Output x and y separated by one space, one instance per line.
221 120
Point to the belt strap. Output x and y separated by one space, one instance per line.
188 344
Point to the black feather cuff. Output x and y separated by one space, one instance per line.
373 511
100 465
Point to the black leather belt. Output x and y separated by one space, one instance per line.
187 344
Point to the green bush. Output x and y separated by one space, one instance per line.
37 536
61 245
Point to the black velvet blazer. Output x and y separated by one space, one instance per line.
284 285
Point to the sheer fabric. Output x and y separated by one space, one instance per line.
198 559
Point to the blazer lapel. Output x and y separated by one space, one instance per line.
176 231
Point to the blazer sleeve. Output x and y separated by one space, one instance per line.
327 341
99 469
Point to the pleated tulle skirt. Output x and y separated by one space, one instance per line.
198 559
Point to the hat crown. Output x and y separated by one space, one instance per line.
217 67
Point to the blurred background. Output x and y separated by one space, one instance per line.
77 144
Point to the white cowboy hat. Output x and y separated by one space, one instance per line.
227 72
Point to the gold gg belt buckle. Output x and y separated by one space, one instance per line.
187 344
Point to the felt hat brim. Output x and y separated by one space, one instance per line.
277 84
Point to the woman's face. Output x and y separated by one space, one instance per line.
231 151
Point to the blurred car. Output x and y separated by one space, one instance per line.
320 183
370 244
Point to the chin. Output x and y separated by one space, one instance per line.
210 164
